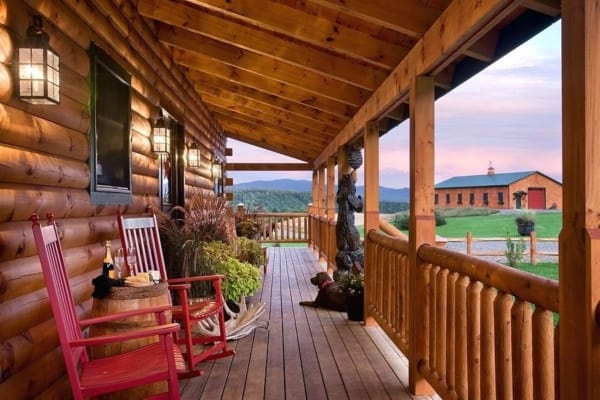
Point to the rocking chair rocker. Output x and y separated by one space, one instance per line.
90 378
143 234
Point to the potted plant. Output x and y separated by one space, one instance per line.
525 223
353 287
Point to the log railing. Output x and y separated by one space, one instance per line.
282 227
490 328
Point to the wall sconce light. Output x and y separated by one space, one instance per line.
193 156
216 168
38 67
161 135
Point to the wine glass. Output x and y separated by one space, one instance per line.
119 263
131 259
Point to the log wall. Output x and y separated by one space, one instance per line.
44 167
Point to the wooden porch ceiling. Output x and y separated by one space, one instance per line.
290 75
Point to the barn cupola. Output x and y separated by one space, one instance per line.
491 170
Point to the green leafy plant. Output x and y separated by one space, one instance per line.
241 279
352 283
250 251
525 217
514 251
402 220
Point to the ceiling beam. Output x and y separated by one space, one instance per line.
236 94
401 15
252 114
262 42
547 7
457 29
295 132
272 133
263 66
280 89
268 167
281 19
485 48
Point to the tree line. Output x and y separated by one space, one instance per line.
293 201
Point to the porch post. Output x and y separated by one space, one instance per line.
371 201
321 189
422 223
331 248
579 255
313 233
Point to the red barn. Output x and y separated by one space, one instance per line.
527 189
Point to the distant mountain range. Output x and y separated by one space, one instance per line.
385 193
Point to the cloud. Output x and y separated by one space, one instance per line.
509 114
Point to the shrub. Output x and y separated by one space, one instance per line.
250 251
402 220
241 279
514 251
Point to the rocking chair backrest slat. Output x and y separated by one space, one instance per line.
142 233
59 293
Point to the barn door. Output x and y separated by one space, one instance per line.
537 198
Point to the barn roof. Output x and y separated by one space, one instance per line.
485 180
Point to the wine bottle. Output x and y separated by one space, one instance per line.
108 268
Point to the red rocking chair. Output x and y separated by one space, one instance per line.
143 234
155 362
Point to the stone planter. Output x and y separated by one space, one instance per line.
355 307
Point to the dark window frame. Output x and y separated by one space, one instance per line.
448 198
459 198
110 129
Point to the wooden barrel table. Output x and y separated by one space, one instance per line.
125 298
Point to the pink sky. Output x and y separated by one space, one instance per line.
509 115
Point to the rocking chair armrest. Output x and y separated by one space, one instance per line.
160 330
179 287
125 314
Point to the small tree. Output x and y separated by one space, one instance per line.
514 251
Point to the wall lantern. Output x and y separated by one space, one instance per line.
216 168
38 67
161 135
193 156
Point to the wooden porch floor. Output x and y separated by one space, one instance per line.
305 353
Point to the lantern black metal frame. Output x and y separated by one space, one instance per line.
38 67
193 156
161 135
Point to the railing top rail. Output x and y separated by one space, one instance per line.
286 214
529 287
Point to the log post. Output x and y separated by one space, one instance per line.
579 243
371 201
331 213
422 223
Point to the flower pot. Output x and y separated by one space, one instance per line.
525 228
355 307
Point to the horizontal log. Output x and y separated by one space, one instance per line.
18 351
6 83
19 166
34 379
6 46
141 125
145 184
141 144
20 314
141 105
74 86
60 389
144 165
269 167
201 178
19 128
525 286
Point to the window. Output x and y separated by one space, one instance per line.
459 198
471 198
447 198
485 199
110 140
436 199
500 198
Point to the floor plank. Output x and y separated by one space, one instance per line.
305 353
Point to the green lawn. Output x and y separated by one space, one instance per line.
547 225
